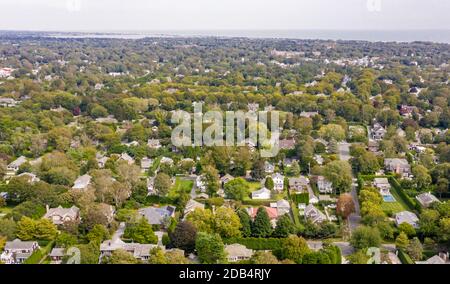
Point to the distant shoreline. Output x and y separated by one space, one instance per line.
401 36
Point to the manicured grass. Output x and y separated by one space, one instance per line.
295 214
400 200
181 185
254 185
393 207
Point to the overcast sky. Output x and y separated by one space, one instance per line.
147 15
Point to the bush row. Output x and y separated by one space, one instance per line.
257 243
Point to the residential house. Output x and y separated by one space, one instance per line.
237 252
225 179
283 207
318 159
287 144
313 199
309 114
373 146
261 194
377 132
406 111
407 217
101 160
139 251
154 143
441 258
191 206
383 185
157 215
271 212
278 181
166 160
57 255
31 178
82 182
151 186
314 215
426 199
269 168
62 215
8 102
398 166
127 158
13 167
298 184
146 164
17 251
323 185
200 184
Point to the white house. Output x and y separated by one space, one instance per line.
237 252
261 194
426 199
314 215
383 185
278 182
62 215
154 143
17 251
407 217
13 167
146 164
269 168
323 185
82 182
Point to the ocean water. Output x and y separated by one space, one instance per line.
440 36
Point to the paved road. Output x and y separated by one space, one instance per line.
355 218
344 151
119 233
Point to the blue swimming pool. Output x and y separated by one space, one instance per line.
388 198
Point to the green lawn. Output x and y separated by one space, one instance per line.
180 185
393 207
254 185
400 200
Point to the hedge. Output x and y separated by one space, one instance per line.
257 243
411 203
258 202
300 198
404 258
41 253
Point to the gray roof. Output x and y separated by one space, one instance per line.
156 215
18 162
58 252
20 245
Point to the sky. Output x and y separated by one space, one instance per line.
158 15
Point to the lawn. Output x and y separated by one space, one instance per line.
393 207
254 185
180 185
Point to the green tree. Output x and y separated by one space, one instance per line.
183 237
227 223
365 237
210 248
202 219
339 173
261 226
121 256
237 189
269 183
246 223
98 234
285 227
402 241
415 249
162 184
26 228
294 248
8 228
262 257
141 232
45 230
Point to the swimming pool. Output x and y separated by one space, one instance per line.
388 198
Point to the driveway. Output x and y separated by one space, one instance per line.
344 151
119 233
